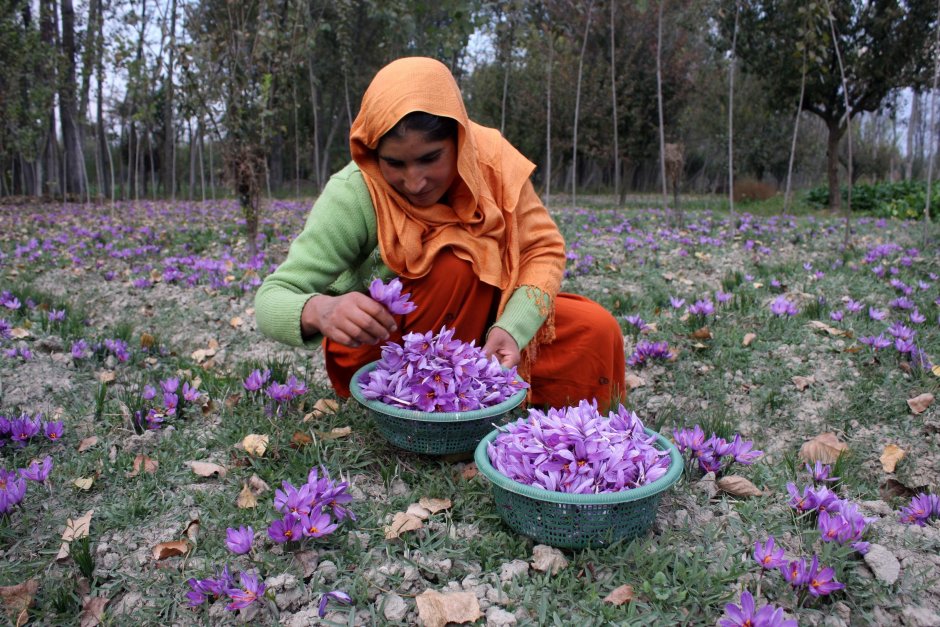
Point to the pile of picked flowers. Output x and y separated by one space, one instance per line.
577 450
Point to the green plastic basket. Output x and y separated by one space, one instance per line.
441 433
576 521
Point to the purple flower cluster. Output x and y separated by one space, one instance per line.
838 520
20 430
280 394
390 295
798 573
9 301
648 351
576 450
714 454
12 490
748 615
922 508
224 585
309 510
437 373
174 400
782 306
701 308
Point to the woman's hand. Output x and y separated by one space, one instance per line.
501 345
350 319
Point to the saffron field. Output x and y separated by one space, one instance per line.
147 429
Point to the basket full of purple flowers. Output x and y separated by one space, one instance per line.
436 395
572 478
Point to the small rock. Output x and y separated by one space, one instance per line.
303 618
357 540
879 508
883 564
398 488
289 598
920 616
844 611
498 617
513 569
496 595
393 607
50 344
548 559
707 485
126 604
327 571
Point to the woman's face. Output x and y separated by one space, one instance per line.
419 169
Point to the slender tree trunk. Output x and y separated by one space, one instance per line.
796 130
211 171
548 120
659 102
507 64
192 160
168 169
613 98
295 105
68 107
202 169
731 64
577 108
316 124
932 147
913 121
49 181
848 126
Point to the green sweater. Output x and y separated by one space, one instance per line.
336 253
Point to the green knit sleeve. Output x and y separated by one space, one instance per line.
338 238
523 315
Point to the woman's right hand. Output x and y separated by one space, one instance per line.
350 319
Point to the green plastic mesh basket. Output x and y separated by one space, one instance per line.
441 433
576 521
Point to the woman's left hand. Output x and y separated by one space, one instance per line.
501 345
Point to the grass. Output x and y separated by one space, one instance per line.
695 561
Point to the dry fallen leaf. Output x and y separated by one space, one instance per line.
920 403
207 469
232 400
84 483
18 333
300 440
735 485
436 609
257 485
322 407
246 498
634 381
401 523
87 443
192 529
255 444
822 326
548 559
142 462
702 334
748 338
335 433
16 599
147 340
106 376
74 529
417 511
802 383
825 448
936 370
891 456
434 505
92 611
469 471
621 595
236 322
170 549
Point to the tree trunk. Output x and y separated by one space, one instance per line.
659 102
913 121
167 169
49 179
613 97
832 163
68 108
796 130
734 43
932 147
548 120
316 125
577 108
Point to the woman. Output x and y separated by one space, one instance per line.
446 205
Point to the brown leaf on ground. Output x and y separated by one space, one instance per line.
335 433
434 505
192 529
144 463
147 340
891 456
255 444
548 559
170 549
92 611
748 338
74 529
236 322
817 325
401 523
417 511
736 485
106 376
207 469
87 443
232 400
892 488
702 334
208 406
621 595
18 333
920 403
322 407
84 483
825 448
246 498
257 485
802 383
16 599
469 471
202 354
634 381
436 609
300 440
213 344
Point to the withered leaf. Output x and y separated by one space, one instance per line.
469 471
106 376
936 370
246 498
74 529
547 559
207 469
232 400
434 505
802 383
822 326
87 443
308 560
236 322
257 485
417 511
748 338
825 448
322 407
170 549
735 485
634 381
300 440
16 599
84 483
920 403
18 333
401 523
334 433
142 462
192 529
702 334
208 406
255 444
620 595
147 340
436 609
890 457
92 611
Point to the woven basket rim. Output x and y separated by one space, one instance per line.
498 479
492 411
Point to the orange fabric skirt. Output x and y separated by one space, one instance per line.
585 361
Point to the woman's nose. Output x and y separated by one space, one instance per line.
414 182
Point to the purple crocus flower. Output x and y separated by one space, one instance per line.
820 472
149 392
921 508
702 308
723 297
170 386
767 556
285 530
781 306
746 615
317 524
836 316
37 471
917 318
239 540
279 392
853 306
250 591
821 582
53 430
191 394
333 595
56 315
390 295
256 380
676 302
876 314
636 321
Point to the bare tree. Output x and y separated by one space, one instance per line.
577 107
932 150
734 42
548 119
848 123
613 97
659 103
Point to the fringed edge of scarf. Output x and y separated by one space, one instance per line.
545 334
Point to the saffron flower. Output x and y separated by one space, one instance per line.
647 351
637 321
390 295
781 306
285 530
709 453
250 591
56 315
922 508
747 615
256 380
853 306
836 316
821 582
701 308
37 471
876 314
53 430
333 595
821 472
723 297
676 302
876 342
767 556
317 524
239 540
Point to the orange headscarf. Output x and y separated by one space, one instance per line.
478 223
